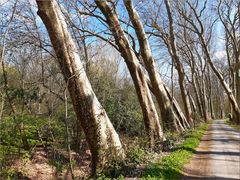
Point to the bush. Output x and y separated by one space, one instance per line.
136 155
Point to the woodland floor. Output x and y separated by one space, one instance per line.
40 165
218 155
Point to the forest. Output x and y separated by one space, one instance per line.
113 88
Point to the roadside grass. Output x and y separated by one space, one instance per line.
235 126
169 167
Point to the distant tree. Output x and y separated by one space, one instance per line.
228 12
195 23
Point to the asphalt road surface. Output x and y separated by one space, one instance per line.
218 155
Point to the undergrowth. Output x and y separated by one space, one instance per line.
234 125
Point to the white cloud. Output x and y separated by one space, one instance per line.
220 54
3 1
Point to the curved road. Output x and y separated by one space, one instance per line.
218 155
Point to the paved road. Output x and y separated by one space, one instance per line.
218 155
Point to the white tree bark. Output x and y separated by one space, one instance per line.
151 120
165 105
178 65
102 138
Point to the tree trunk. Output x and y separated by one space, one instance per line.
228 91
159 91
200 85
151 120
197 96
237 78
210 94
178 65
182 122
101 136
204 98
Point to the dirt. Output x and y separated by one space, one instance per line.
38 166
218 155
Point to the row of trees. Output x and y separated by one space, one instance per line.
185 31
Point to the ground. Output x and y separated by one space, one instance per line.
39 166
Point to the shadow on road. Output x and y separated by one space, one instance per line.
222 140
185 177
218 153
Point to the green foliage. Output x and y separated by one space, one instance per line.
10 174
136 155
58 164
5 153
21 128
171 139
115 169
22 94
26 157
169 167
118 99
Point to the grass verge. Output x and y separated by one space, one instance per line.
169 167
235 126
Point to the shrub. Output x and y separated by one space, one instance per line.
136 155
